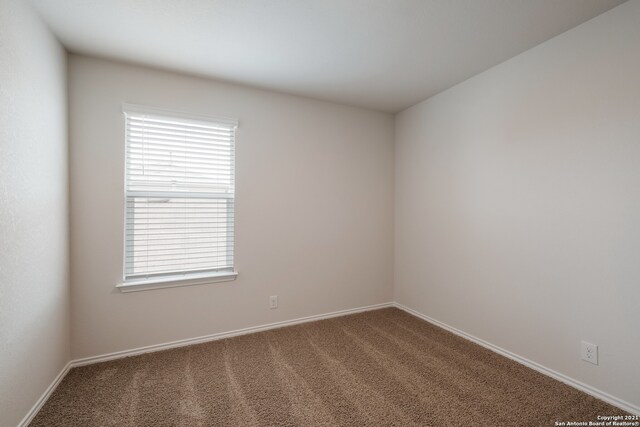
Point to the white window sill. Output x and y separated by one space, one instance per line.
173 282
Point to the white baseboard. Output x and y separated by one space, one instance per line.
629 407
45 396
221 335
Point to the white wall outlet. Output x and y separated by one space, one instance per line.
273 301
589 352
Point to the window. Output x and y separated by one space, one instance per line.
179 199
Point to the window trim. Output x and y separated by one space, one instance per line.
174 280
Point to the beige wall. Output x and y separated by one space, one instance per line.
34 287
518 203
314 207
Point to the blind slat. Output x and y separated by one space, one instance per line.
176 161
190 139
158 235
181 123
149 125
163 251
173 143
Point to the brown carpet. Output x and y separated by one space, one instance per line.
379 368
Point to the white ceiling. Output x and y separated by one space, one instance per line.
380 54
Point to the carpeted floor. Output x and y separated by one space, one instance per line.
379 368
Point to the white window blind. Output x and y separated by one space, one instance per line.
179 190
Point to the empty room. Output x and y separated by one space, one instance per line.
319 213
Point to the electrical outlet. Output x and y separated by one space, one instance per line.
273 301
589 352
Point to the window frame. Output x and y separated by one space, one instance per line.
164 280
